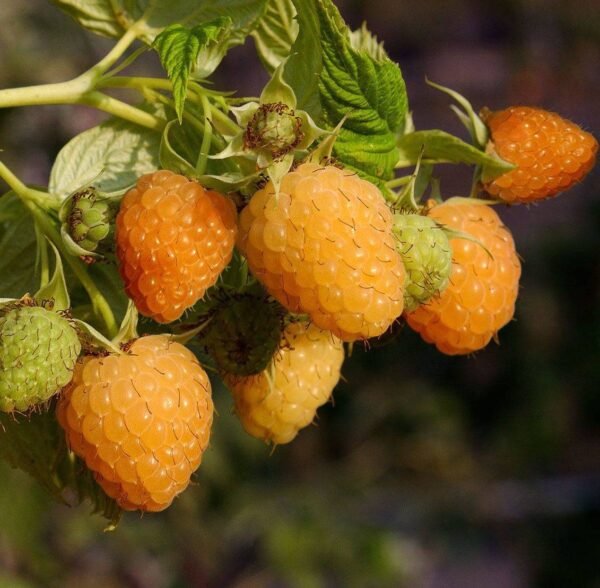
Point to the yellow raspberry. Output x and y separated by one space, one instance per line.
141 420
551 153
275 404
174 238
324 247
480 298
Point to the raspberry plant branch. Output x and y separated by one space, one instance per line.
36 202
195 92
42 199
121 109
206 137
83 90
101 307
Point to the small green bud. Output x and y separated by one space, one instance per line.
274 128
88 219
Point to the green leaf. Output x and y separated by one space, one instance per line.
113 17
33 444
336 74
276 33
178 49
36 445
441 147
304 66
170 158
95 15
18 249
112 156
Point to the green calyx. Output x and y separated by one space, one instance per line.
87 216
427 257
38 352
244 333
89 219
274 128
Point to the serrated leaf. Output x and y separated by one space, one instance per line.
115 152
178 49
18 249
335 76
441 147
276 33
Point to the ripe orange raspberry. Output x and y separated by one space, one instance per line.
480 298
551 153
141 420
174 238
324 247
275 404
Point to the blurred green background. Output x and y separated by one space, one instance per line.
429 472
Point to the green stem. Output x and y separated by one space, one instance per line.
38 208
397 182
60 93
143 83
116 52
123 110
206 138
43 253
42 199
82 89
99 303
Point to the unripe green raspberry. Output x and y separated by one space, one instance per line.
38 351
274 128
244 334
89 219
427 257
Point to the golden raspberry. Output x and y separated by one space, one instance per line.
174 238
551 153
480 298
275 404
141 420
324 247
